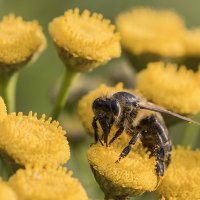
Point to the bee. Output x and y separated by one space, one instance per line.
138 118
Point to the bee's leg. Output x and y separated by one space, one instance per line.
127 149
117 134
160 167
96 135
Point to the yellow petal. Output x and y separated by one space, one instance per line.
46 184
32 141
166 85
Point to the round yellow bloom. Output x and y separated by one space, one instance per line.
46 184
32 141
84 40
3 109
133 175
85 104
176 89
144 30
182 179
6 193
20 41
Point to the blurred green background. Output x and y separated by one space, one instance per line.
36 83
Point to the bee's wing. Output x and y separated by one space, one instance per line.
153 107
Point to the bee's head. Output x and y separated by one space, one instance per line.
106 111
105 107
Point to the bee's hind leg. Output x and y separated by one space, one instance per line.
160 167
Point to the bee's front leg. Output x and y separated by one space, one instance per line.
96 135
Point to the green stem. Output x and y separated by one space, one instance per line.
8 89
191 134
68 78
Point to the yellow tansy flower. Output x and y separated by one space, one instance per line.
6 192
32 141
3 110
177 89
144 30
84 40
47 184
182 179
133 175
85 104
19 41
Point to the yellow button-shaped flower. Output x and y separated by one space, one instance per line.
177 89
133 175
46 184
6 192
144 30
84 40
182 180
20 41
32 141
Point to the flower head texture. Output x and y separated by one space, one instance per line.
133 175
32 141
3 109
144 30
85 104
6 192
46 184
182 179
20 41
177 89
84 40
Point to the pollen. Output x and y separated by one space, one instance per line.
182 178
46 184
89 38
144 30
177 89
85 104
29 140
19 40
6 192
133 175
3 109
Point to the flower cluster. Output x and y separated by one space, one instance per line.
40 147
159 32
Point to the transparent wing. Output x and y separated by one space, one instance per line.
153 107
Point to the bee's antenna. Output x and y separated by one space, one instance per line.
153 107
